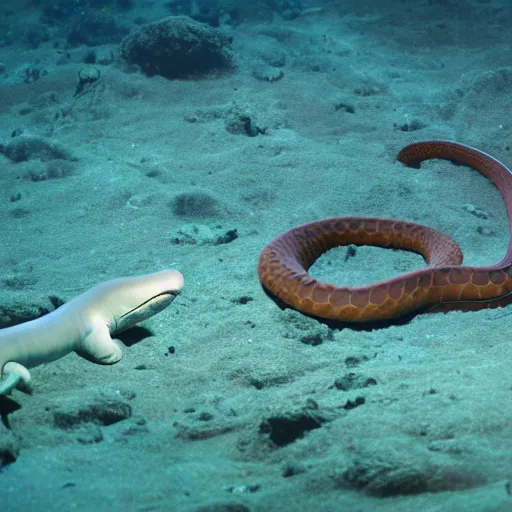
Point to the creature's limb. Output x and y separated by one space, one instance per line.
98 347
15 376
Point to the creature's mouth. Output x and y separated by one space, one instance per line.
145 310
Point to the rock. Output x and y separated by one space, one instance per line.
385 468
31 147
197 203
177 47
106 408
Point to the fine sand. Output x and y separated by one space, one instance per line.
224 401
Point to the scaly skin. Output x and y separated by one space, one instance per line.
444 285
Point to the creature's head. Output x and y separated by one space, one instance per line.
131 300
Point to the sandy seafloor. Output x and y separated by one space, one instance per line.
188 431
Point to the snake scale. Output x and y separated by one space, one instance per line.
445 284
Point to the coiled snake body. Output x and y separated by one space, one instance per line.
443 285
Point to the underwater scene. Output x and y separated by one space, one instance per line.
256 255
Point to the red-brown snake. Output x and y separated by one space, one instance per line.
443 285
